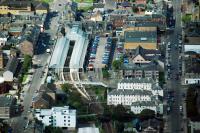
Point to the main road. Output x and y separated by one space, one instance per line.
19 124
175 118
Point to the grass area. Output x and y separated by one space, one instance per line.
83 1
24 78
46 1
85 8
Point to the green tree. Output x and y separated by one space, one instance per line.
66 87
116 64
186 18
26 64
50 129
119 127
105 73
147 114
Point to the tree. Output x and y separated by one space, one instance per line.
119 127
116 64
50 129
105 73
186 18
26 64
147 114
66 87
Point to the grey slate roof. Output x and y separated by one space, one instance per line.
143 103
12 64
137 80
129 92
140 36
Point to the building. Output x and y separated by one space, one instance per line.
146 37
3 38
57 117
7 108
11 69
88 130
41 8
15 7
194 126
69 54
41 101
141 55
138 106
1 60
29 40
134 90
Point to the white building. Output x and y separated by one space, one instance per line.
57 117
88 130
191 78
136 91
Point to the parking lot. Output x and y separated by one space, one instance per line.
100 52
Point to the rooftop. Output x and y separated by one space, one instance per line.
143 103
12 64
5 101
129 92
137 80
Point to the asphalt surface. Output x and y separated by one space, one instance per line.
20 123
175 117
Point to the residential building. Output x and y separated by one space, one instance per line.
88 130
1 60
29 40
41 8
141 55
15 7
5 23
98 7
138 106
146 37
11 69
46 97
3 38
57 117
194 126
41 101
150 70
134 90
7 108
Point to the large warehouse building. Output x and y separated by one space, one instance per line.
69 54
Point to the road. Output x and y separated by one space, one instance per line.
175 118
20 123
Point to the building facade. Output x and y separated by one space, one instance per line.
57 117
134 90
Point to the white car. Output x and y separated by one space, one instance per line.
179 41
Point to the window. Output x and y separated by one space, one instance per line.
64 120
64 116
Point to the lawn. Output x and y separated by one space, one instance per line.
24 78
83 1
46 1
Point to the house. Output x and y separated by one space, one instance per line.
5 23
138 106
96 16
146 37
3 38
194 126
98 7
1 60
15 30
7 107
57 117
41 101
141 55
15 7
41 8
10 70
150 70
134 90
88 130
29 40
